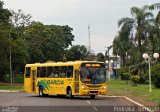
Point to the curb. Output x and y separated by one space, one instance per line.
10 91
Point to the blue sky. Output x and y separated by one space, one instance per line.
102 15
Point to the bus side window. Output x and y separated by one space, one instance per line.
38 71
28 72
63 70
70 71
50 71
41 72
56 71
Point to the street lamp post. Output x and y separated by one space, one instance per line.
148 60
109 67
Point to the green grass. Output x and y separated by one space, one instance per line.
140 92
7 86
17 83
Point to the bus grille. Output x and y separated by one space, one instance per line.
93 87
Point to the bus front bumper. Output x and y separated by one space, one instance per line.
93 92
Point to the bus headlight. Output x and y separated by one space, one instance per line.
83 87
104 87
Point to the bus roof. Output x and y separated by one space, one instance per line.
51 63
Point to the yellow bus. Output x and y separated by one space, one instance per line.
74 78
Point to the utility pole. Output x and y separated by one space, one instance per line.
10 58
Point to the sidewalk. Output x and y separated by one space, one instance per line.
10 91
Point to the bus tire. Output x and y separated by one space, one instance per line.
70 93
92 96
41 91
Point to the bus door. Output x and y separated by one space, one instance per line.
76 83
34 80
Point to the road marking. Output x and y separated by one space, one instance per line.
88 102
137 103
95 108
133 101
92 106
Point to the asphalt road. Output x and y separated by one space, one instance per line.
25 102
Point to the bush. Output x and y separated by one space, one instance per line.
135 79
123 72
155 75
126 76
18 79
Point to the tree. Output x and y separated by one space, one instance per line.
59 40
142 31
141 17
34 37
154 7
154 30
4 14
77 52
47 42
18 50
156 75
4 41
19 20
122 45
158 18
100 57
137 28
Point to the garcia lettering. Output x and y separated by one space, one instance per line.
56 82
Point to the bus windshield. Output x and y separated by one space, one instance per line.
93 75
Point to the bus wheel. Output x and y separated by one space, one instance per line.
70 93
41 91
93 96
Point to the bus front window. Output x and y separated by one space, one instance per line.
93 75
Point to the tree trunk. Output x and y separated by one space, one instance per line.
140 51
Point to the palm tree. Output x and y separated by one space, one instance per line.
135 25
121 46
154 29
158 18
